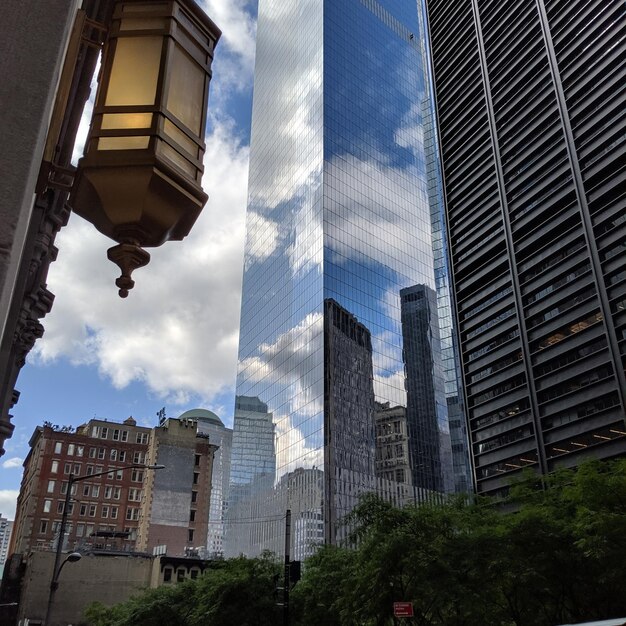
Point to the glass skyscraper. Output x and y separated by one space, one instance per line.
252 472
340 221
426 406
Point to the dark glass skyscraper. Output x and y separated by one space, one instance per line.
348 414
339 222
430 450
530 101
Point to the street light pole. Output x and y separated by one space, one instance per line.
57 558
287 577
56 570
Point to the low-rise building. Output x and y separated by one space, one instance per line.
111 502
106 512
106 577
176 504
6 526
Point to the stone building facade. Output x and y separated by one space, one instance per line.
103 577
175 510
34 164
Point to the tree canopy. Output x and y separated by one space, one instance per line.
553 553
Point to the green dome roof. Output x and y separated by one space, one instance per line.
202 415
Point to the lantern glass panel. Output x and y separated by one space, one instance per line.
135 71
192 46
123 143
180 138
179 160
185 97
126 120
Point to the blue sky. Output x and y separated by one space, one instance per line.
173 341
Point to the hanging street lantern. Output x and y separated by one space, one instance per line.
139 181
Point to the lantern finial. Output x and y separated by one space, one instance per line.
128 256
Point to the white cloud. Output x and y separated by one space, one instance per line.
237 25
83 128
12 463
385 218
233 65
8 502
410 134
287 358
288 364
288 104
262 236
178 330
293 450
387 352
390 388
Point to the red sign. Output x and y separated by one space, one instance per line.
403 609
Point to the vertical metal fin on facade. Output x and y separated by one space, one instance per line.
517 294
585 215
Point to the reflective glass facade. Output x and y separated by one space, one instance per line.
463 480
339 223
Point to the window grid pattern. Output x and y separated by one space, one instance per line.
339 222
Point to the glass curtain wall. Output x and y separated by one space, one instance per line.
281 334
339 223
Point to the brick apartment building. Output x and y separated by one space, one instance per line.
106 511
